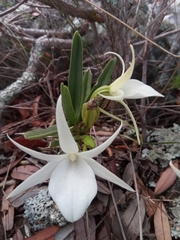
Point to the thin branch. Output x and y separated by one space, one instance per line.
79 12
12 8
136 32
160 36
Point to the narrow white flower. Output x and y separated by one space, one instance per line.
126 88
177 171
72 175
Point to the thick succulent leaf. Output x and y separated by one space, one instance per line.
39 155
73 186
38 177
105 76
41 133
96 151
103 172
67 105
134 89
119 82
66 140
75 80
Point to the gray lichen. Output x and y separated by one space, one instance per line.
41 211
165 145
175 225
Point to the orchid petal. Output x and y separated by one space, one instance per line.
73 186
120 58
66 140
119 82
38 177
117 96
103 172
96 151
177 171
39 155
134 89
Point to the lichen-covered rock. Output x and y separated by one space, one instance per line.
165 145
42 212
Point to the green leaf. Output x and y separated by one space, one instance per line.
75 80
105 76
67 105
54 143
89 141
41 133
87 82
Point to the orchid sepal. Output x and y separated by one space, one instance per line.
103 172
38 177
119 82
176 170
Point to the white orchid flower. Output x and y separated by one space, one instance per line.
177 171
124 87
72 175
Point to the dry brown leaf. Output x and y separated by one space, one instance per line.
149 197
29 109
161 223
128 174
8 219
80 229
19 199
104 198
6 168
102 188
18 235
113 168
99 205
93 210
9 146
25 109
104 234
131 217
35 106
23 172
5 202
166 180
45 234
7 211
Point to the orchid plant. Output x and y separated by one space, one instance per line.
72 174
80 114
